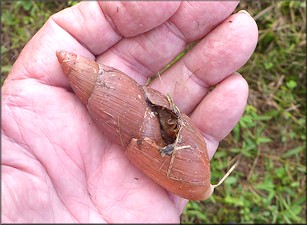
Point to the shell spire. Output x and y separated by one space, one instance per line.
81 72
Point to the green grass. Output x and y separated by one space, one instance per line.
20 20
269 184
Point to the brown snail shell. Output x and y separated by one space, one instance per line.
160 140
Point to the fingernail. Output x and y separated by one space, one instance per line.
244 11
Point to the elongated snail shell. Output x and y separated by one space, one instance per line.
159 140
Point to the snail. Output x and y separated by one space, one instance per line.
158 138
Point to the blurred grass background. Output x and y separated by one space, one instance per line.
269 184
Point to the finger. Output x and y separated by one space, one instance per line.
220 110
218 55
133 18
179 202
84 30
195 19
99 25
145 54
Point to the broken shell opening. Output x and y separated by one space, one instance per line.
169 126
168 123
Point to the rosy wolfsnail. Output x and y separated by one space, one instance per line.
158 139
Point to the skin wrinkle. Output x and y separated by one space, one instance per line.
171 33
29 172
128 191
80 12
19 165
93 191
39 198
121 203
125 60
53 143
214 48
93 197
147 66
85 207
158 49
107 146
211 48
202 29
100 32
43 131
79 16
237 98
129 12
31 71
173 29
64 164
140 6
189 4
211 64
12 164
54 20
60 144
35 176
139 63
136 213
61 195
111 23
160 52
78 147
56 146
21 142
194 76
97 174
150 71
22 75
181 88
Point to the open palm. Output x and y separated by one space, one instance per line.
56 165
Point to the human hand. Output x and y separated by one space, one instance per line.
56 166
